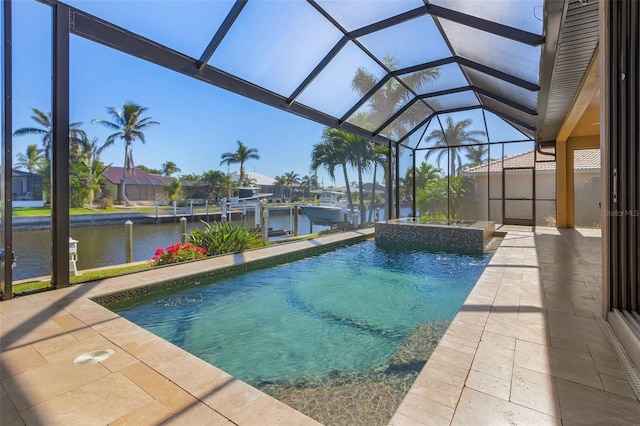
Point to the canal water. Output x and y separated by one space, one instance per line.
100 246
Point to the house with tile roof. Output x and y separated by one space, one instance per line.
140 186
518 184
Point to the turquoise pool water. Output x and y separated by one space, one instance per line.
340 313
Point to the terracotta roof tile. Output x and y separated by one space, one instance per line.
136 177
584 159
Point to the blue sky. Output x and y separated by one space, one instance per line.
198 121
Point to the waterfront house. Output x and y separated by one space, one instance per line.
264 183
140 186
26 189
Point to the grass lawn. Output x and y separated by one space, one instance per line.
85 277
46 211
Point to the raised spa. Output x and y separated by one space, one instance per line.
438 234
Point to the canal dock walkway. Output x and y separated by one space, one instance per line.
163 215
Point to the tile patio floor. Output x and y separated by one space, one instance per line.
524 349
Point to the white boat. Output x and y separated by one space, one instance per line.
247 193
332 209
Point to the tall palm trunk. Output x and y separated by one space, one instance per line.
373 192
122 196
346 181
453 153
361 197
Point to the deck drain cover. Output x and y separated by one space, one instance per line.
93 357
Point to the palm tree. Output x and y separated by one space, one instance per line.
475 155
129 126
392 95
332 152
280 182
454 137
386 101
361 157
169 168
426 173
241 155
43 119
291 178
173 189
309 182
217 183
90 167
379 157
32 160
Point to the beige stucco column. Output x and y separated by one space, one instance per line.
565 215
562 187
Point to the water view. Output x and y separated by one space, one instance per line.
100 246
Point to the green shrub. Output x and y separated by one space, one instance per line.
107 202
225 237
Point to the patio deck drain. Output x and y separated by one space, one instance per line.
93 357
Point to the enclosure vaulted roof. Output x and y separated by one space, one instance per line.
385 70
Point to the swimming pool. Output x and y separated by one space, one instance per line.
361 315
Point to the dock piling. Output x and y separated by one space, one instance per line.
128 249
183 230
265 223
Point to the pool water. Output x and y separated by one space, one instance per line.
335 314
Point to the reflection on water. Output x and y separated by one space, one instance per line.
104 245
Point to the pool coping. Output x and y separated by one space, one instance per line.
247 263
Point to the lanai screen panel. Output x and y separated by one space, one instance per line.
369 67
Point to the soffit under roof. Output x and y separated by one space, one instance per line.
577 44
385 70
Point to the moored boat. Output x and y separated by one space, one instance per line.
332 209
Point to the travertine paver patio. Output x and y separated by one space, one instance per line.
525 348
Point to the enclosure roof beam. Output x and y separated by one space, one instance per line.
222 31
110 35
492 27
